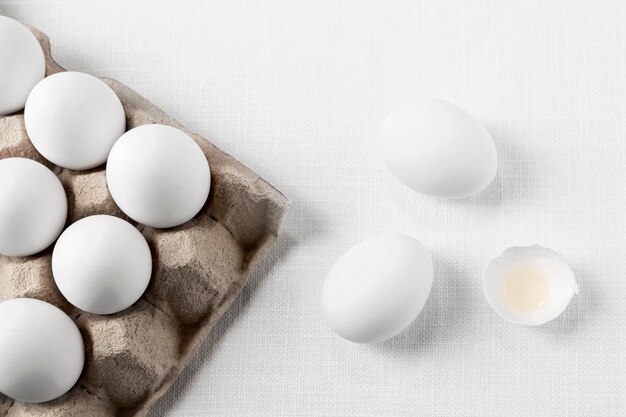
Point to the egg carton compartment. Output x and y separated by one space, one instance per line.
134 356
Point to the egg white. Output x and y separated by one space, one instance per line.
550 264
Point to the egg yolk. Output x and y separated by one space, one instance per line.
526 289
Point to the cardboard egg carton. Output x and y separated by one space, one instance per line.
134 356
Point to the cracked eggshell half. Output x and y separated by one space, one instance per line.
439 149
529 285
377 288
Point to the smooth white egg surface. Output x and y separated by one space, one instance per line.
73 119
377 288
437 148
158 175
529 285
22 64
33 207
102 264
41 351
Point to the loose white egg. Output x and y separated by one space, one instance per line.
22 64
377 288
33 207
41 351
529 285
102 264
437 148
158 175
73 120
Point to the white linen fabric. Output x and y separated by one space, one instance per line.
297 90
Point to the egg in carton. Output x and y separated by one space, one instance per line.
134 356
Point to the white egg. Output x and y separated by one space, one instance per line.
377 288
102 264
73 120
158 175
22 64
41 351
33 207
529 285
437 148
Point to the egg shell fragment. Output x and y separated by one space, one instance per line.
377 288
552 266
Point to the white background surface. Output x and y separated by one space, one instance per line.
297 91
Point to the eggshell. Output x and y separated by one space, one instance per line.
437 148
33 207
41 351
22 64
158 175
377 288
102 264
559 277
73 120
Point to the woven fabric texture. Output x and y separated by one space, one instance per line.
297 90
